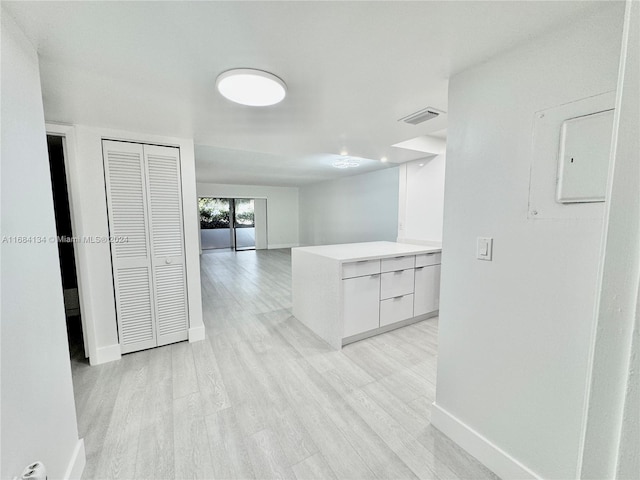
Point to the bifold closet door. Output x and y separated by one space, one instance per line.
131 258
144 199
167 243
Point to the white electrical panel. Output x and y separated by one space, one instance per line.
583 163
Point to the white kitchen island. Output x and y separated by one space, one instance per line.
348 292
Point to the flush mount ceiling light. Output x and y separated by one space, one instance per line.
346 162
251 87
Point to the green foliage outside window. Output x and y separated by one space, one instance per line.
244 212
214 212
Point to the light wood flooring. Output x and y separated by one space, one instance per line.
263 398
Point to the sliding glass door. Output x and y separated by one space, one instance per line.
215 223
244 224
227 223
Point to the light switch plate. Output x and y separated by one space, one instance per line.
484 249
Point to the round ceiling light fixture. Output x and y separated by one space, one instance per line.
346 162
248 86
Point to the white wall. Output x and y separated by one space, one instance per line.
38 410
87 188
260 219
282 208
515 333
421 200
360 208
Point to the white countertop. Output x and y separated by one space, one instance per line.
348 252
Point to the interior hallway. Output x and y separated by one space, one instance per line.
262 397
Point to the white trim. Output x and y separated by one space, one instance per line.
87 181
611 353
191 229
80 251
492 456
196 333
76 463
283 245
106 354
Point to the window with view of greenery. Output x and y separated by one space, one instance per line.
244 212
214 212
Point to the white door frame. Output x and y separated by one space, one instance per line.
610 433
67 132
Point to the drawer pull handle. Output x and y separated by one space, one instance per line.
419 268
362 261
398 271
375 275
399 296
399 256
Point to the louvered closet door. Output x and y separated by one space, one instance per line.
131 260
167 243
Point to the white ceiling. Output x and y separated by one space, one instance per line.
352 69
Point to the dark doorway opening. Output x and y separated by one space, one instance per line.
66 249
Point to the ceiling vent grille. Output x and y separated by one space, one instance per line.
421 116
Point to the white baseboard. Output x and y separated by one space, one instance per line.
106 354
76 463
282 245
492 456
196 333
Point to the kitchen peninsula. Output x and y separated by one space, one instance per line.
348 292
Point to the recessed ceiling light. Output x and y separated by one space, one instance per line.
384 159
421 164
346 162
344 152
251 87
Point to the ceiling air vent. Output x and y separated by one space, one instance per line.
421 116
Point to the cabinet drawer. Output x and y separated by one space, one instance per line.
360 269
361 304
427 290
398 263
396 309
425 259
398 283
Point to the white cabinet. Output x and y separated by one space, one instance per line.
427 259
398 263
427 289
395 284
372 300
361 304
144 203
344 293
361 268
396 309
